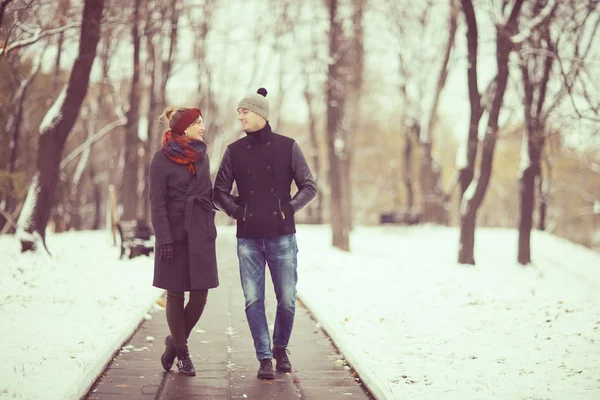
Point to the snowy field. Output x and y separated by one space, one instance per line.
416 325
61 319
413 323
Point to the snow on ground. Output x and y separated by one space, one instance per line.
61 319
417 325
414 323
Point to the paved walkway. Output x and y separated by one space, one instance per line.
223 354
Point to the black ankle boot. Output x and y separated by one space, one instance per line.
184 362
283 362
168 357
266 369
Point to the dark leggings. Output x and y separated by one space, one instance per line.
182 320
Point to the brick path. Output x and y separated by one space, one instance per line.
223 355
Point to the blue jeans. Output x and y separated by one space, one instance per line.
280 253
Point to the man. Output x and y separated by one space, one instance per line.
263 164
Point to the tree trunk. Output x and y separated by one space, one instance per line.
315 209
544 197
336 90
54 130
526 206
411 132
535 71
433 208
129 198
467 166
76 220
433 200
96 194
151 142
14 131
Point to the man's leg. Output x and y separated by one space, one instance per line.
252 273
282 257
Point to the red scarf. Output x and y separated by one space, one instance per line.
183 151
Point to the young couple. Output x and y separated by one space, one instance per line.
263 165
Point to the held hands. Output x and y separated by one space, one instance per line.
166 252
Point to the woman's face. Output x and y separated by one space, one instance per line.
196 130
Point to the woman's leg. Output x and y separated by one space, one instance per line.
194 309
176 318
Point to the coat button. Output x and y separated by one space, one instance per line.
274 212
268 143
248 147
250 215
268 167
252 192
272 190
248 171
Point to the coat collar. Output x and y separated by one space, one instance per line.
263 135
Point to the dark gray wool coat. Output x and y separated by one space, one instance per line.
183 214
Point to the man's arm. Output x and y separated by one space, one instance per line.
307 189
223 184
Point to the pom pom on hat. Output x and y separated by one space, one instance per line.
262 91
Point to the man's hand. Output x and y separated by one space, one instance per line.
166 252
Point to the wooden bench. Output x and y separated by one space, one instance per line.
136 238
400 218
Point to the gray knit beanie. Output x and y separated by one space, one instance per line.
257 103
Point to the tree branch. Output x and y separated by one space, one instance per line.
539 19
93 138
5 51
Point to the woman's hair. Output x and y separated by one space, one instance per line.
167 114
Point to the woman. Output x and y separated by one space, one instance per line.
183 218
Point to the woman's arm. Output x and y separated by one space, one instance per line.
158 202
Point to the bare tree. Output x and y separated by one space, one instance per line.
338 136
55 129
536 71
14 129
475 192
129 188
21 35
161 58
151 35
433 199
315 209
416 30
539 53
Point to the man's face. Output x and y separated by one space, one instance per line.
250 121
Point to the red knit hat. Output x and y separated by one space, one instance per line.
183 118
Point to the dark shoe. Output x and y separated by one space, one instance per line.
266 369
283 362
168 357
184 363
